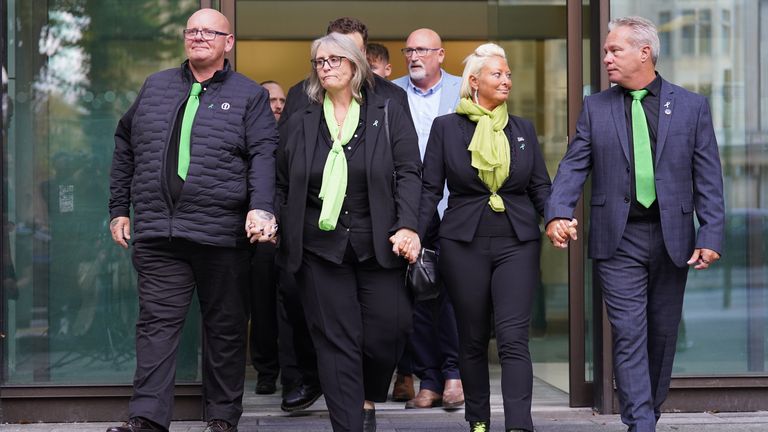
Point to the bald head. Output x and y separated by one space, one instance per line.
424 70
212 17
425 36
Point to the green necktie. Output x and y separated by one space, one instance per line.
645 188
186 129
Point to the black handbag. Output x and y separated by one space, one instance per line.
422 276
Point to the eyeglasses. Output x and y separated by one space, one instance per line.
420 51
207 34
333 61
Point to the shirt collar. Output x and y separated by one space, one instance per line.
429 92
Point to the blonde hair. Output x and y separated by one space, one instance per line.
343 46
475 62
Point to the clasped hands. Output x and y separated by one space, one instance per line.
560 231
406 243
261 226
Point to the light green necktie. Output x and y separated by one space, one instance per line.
645 188
186 129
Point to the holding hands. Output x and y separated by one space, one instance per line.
261 226
406 243
560 231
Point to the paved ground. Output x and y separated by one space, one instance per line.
550 414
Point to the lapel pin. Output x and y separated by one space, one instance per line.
375 122
667 111
666 105
520 139
522 146
210 106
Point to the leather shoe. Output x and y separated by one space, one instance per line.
301 397
453 394
425 399
369 420
265 387
403 391
217 425
137 424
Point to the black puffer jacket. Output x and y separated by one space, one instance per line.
231 171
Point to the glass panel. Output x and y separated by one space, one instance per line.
718 48
538 59
589 87
533 35
69 292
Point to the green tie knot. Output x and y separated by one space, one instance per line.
638 94
196 89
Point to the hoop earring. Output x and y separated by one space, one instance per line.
475 96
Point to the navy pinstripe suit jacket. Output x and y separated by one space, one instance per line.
687 173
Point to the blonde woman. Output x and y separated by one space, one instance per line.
489 234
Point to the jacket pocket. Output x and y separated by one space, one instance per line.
597 200
687 206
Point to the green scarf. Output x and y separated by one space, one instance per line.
334 185
489 146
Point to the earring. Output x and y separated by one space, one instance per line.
475 96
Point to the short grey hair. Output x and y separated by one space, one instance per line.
643 33
342 46
475 62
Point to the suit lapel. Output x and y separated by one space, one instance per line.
666 108
311 129
620 120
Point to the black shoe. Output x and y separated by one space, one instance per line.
301 397
217 425
137 424
369 420
266 387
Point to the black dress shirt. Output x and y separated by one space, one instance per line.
353 228
651 105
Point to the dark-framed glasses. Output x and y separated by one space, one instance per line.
333 61
207 34
419 51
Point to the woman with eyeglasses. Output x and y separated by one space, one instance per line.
348 191
489 235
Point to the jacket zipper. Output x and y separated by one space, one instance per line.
164 183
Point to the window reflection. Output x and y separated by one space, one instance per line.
70 301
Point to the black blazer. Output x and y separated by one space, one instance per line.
524 193
393 168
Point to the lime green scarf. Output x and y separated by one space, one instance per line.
334 185
489 146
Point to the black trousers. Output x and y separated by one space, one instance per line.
169 273
298 361
493 275
264 332
435 343
643 293
358 315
